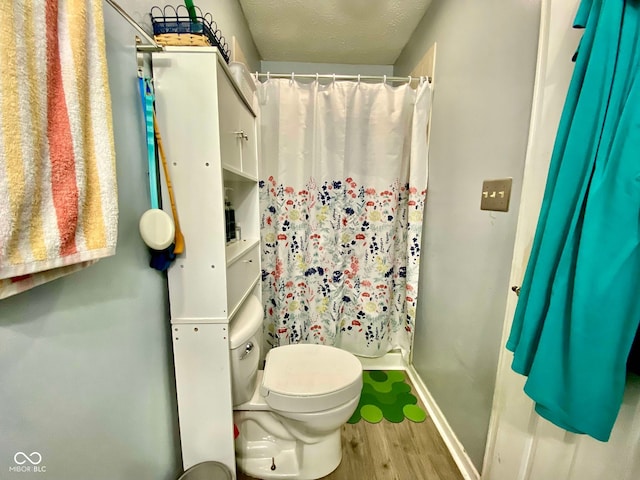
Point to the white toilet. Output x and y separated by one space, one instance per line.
289 415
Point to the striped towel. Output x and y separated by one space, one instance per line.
58 194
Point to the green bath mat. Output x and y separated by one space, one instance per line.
386 394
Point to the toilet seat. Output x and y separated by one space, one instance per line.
307 378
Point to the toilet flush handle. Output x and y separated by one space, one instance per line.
248 348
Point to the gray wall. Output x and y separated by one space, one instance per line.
86 372
486 53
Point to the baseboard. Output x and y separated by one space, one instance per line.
464 463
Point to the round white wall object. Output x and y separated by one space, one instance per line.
157 229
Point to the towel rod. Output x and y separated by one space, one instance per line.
154 46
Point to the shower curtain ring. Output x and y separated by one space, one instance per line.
317 77
334 78
384 79
293 76
410 80
268 76
358 79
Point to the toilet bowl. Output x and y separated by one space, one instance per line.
289 414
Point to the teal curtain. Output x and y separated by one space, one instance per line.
579 306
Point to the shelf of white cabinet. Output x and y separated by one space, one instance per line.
241 276
248 292
235 250
235 175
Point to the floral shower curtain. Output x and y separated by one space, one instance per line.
344 178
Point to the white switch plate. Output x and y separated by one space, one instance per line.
496 195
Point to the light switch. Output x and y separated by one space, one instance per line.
496 195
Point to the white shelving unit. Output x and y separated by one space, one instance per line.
209 134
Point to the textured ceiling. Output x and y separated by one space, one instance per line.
333 31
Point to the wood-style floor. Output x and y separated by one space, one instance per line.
392 451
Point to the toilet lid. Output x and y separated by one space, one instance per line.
310 378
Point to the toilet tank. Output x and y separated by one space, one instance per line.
245 335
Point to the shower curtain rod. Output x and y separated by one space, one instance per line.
316 76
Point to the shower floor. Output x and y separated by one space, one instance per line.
393 451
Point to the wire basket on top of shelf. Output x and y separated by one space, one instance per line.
172 26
